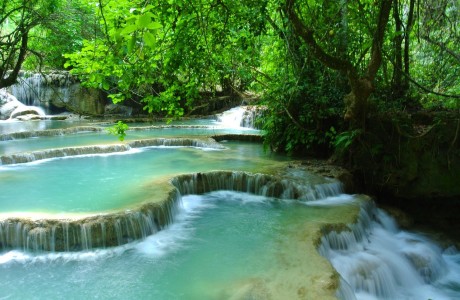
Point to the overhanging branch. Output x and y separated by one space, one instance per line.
307 34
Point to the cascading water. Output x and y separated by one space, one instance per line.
106 149
377 260
11 108
35 89
257 239
57 92
241 116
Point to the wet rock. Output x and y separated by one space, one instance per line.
119 110
324 168
12 108
8 104
27 112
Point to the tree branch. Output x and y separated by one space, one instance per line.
307 34
442 46
11 79
377 42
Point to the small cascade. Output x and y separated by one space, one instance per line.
27 157
177 142
48 132
56 92
378 261
86 234
12 108
241 116
157 127
258 184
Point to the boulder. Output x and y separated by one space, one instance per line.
12 108
23 110
8 104
118 110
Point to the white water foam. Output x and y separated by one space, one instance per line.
174 237
342 199
44 160
167 241
234 118
163 242
388 263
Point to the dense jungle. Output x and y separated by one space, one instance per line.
371 85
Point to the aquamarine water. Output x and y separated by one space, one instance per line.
221 244
97 183
20 126
102 137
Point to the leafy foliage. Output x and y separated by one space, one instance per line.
119 130
18 20
165 56
64 32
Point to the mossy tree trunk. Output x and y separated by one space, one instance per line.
356 102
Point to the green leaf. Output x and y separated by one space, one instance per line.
129 29
149 39
131 44
144 20
148 7
154 25
105 85
119 130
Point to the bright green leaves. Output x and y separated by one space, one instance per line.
167 101
125 60
140 23
138 29
149 39
144 20
119 130
167 54
92 65
117 97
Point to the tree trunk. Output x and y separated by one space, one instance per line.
409 26
356 102
6 81
397 80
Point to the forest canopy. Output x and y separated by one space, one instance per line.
309 62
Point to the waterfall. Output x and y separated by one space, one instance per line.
56 92
35 89
88 233
258 184
28 89
177 142
376 260
241 116
12 108
21 158
116 229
